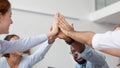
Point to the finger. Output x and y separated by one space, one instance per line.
64 21
61 20
58 14
59 25
51 28
72 25
55 20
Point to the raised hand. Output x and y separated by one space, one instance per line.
54 30
63 24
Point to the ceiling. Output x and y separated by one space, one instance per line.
109 14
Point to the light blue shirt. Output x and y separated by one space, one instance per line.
94 59
21 44
28 61
86 65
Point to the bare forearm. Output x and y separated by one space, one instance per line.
76 45
114 52
82 37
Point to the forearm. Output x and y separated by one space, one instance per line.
40 53
22 44
76 45
82 37
114 52
92 56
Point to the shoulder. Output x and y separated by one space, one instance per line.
2 59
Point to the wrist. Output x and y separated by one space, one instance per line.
67 39
51 38
70 42
82 48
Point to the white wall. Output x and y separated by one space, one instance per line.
77 9
28 24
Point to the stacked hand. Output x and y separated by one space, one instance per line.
53 31
59 28
64 27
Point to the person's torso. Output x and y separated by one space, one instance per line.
88 65
24 63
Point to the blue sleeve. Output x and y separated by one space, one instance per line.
78 65
39 54
95 58
21 44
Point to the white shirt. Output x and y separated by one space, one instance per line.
30 60
110 39
21 44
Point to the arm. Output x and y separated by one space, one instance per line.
39 54
96 58
89 54
85 52
114 52
82 37
22 44
67 29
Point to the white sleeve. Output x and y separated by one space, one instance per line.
108 40
21 44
